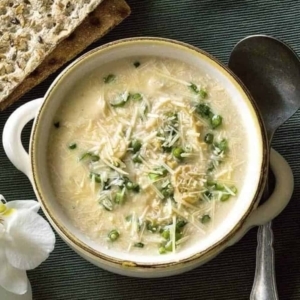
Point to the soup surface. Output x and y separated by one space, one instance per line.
147 155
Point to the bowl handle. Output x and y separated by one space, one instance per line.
277 201
11 137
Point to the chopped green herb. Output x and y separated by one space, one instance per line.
113 235
203 93
162 250
136 158
209 138
72 146
211 167
107 185
168 191
136 97
172 116
180 224
194 88
223 145
139 245
136 64
132 186
168 246
91 156
205 219
154 176
56 124
128 218
109 78
95 177
208 194
151 226
215 121
120 100
167 149
120 197
178 236
135 145
226 196
234 189
203 110
107 204
177 153
160 172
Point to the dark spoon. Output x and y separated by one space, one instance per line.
271 71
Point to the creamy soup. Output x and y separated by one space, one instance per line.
147 154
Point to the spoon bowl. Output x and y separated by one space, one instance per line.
271 71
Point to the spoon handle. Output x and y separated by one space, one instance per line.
264 286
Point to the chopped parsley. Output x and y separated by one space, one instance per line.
109 78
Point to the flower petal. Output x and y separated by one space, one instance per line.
12 279
31 240
24 204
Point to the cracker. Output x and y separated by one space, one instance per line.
102 19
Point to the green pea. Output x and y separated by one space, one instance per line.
205 219
166 234
216 121
225 197
139 245
162 250
177 153
113 235
209 138
109 78
219 187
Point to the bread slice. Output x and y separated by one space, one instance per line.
102 19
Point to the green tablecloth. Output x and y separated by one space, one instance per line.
214 26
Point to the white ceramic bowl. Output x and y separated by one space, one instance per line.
244 214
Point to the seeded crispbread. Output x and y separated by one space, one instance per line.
98 22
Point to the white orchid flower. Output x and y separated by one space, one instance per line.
26 240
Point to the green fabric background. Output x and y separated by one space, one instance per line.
214 26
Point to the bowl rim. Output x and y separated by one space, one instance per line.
71 238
